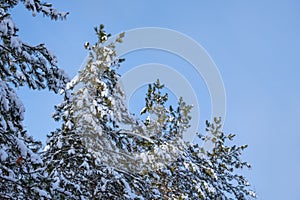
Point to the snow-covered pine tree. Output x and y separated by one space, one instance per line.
21 168
88 156
190 172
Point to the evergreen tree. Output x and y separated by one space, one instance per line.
21 168
190 172
86 157
103 152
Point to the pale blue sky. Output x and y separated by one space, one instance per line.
254 44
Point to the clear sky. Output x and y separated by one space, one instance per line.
255 45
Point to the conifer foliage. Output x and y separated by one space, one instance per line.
185 170
22 175
101 151
84 157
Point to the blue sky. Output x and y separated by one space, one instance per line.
255 46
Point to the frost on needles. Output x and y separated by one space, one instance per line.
22 171
102 151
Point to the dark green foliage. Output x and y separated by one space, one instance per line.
86 157
22 174
194 173
100 150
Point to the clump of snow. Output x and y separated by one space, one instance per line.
22 147
3 153
16 43
59 144
71 151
